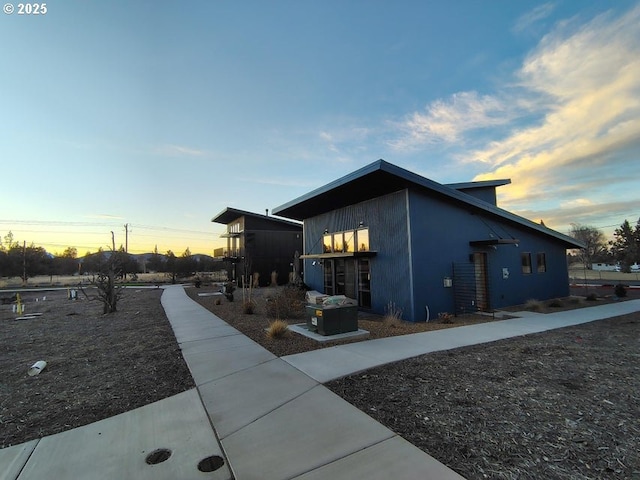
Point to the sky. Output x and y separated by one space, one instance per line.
148 118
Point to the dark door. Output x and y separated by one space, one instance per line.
482 291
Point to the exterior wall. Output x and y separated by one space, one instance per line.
265 246
440 235
486 194
271 251
418 237
386 219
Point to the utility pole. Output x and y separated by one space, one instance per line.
24 263
126 237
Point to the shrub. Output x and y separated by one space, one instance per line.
533 305
592 297
620 291
445 317
555 303
392 315
575 300
278 329
249 307
218 302
287 303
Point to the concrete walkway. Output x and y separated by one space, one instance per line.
256 416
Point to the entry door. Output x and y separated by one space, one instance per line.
364 283
345 277
481 278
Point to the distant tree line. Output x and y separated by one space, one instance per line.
28 260
623 249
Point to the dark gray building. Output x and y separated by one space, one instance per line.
258 244
383 234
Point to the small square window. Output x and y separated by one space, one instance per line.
542 262
525 258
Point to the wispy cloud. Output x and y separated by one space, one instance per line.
532 17
448 120
563 124
169 150
588 81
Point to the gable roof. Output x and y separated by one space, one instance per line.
229 214
381 178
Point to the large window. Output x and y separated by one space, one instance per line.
327 243
363 239
349 241
542 262
337 242
525 258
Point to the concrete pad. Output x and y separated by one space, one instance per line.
394 458
329 363
312 430
237 400
217 343
118 446
12 459
301 329
211 365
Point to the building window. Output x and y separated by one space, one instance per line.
349 241
327 240
525 258
542 262
337 242
362 237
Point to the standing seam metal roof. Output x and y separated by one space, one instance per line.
381 178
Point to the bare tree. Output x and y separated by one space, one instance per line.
594 241
108 292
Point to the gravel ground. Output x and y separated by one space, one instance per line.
561 404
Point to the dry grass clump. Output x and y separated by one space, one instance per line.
555 303
278 329
445 317
249 307
289 302
533 305
392 316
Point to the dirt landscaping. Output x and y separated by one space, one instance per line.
561 404
97 365
255 324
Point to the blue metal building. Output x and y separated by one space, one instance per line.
389 237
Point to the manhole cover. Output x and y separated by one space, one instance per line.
211 464
158 456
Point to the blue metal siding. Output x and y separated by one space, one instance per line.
441 233
386 219
418 237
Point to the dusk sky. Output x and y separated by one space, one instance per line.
160 114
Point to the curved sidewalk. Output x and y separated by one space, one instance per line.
334 362
275 422
268 417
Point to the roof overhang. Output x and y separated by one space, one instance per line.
324 256
494 241
229 215
381 178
